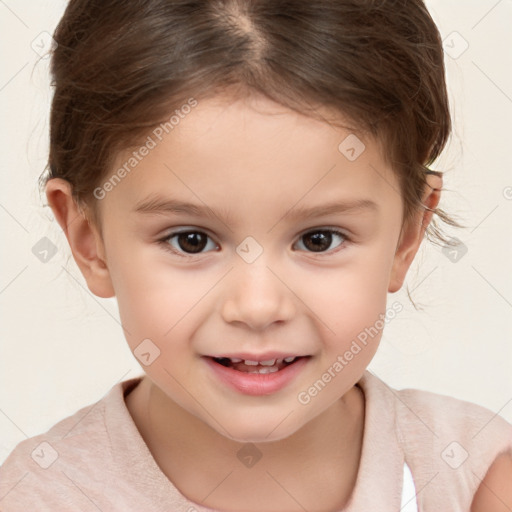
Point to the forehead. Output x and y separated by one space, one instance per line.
255 152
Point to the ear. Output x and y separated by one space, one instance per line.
413 232
83 237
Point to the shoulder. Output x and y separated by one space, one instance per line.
443 413
495 491
435 412
486 436
474 443
45 467
457 449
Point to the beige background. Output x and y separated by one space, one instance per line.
63 348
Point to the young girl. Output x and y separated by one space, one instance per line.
250 178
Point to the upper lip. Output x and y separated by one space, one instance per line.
266 356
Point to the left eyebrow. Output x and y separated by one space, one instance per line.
165 205
353 206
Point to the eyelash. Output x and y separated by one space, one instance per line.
166 246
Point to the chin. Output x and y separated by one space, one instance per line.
265 430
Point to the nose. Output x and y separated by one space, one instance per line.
257 296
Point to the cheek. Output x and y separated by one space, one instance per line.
153 296
351 297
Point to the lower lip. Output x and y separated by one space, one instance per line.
257 384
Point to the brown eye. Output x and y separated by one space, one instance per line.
321 240
186 243
192 242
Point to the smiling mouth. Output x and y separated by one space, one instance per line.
248 366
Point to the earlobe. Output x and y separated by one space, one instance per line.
413 232
83 237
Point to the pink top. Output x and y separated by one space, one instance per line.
97 460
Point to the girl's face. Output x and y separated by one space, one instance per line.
288 248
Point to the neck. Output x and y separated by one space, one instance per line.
203 465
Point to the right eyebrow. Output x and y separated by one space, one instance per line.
158 205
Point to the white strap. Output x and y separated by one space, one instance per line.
409 503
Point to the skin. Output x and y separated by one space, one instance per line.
495 492
258 161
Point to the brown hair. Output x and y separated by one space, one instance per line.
121 67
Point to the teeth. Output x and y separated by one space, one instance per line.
267 369
268 363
